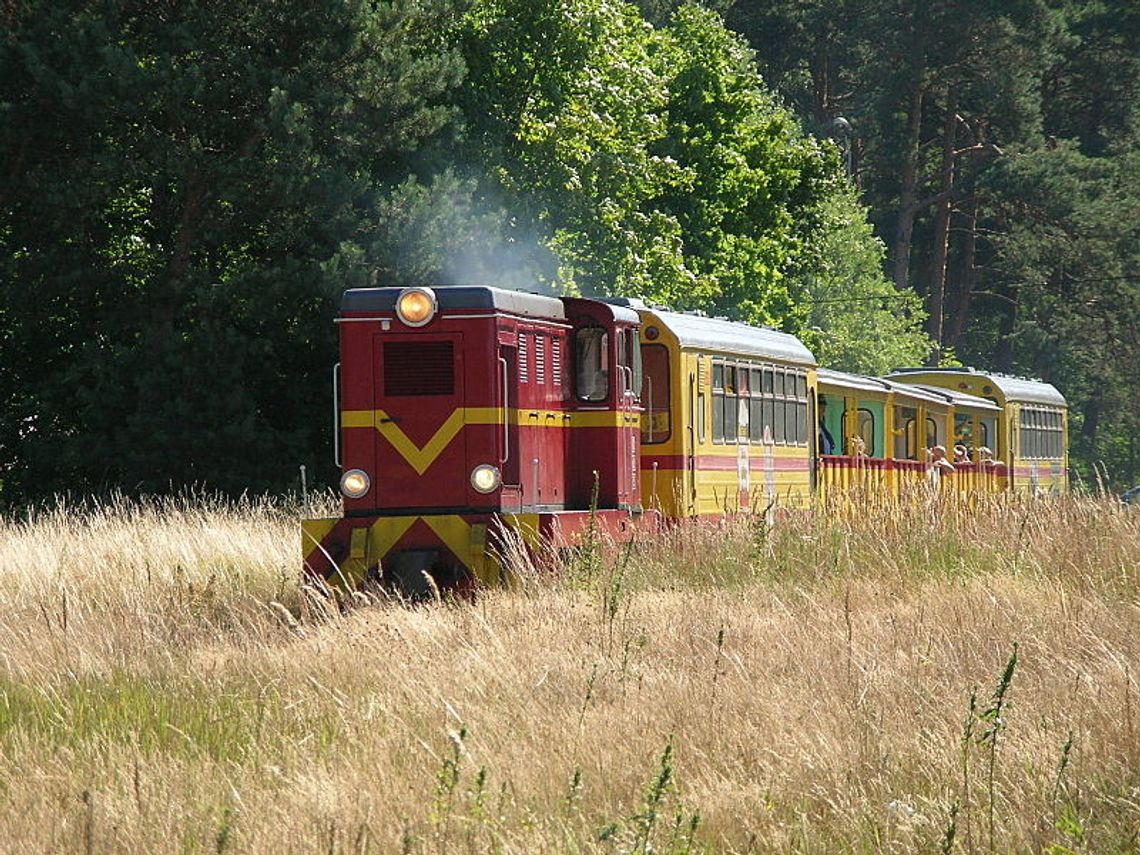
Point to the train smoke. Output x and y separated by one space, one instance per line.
453 232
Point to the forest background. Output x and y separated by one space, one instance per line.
187 187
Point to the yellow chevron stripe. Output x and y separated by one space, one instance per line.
313 533
384 534
421 458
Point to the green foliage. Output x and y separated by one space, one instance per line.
1067 252
995 148
563 104
747 169
655 163
185 189
858 321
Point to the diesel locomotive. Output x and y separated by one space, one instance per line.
467 415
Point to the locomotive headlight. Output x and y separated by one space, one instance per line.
355 483
416 306
486 478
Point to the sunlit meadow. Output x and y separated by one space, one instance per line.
926 676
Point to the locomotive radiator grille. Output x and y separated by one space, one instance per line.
418 368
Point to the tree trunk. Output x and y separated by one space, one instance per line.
1003 357
1091 411
937 295
908 188
961 290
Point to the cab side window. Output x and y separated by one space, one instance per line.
591 352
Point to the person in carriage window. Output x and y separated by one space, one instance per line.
826 441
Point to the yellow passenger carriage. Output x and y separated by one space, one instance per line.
1029 435
972 429
728 421
880 436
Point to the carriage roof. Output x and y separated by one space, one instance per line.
1013 389
698 332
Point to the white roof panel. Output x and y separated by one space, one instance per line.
1016 389
703 333
828 377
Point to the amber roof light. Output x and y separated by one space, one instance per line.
416 306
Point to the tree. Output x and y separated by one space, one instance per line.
563 104
857 320
931 111
1065 261
654 162
186 184
748 170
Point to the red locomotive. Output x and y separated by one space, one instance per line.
462 409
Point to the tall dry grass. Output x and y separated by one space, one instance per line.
897 677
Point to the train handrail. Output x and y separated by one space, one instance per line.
649 410
506 412
336 415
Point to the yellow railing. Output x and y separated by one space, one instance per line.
845 473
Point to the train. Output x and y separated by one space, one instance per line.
468 416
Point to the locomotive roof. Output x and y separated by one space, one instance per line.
1019 389
615 309
703 333
452 297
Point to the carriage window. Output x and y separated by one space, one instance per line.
718 402
964 430
864 430
655 394
931 433
731 403
1051 434
755 407
767 403
986 432
1029 433
780 414
905 441
801 409
635 361
592 359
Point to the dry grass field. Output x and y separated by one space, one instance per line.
899 679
